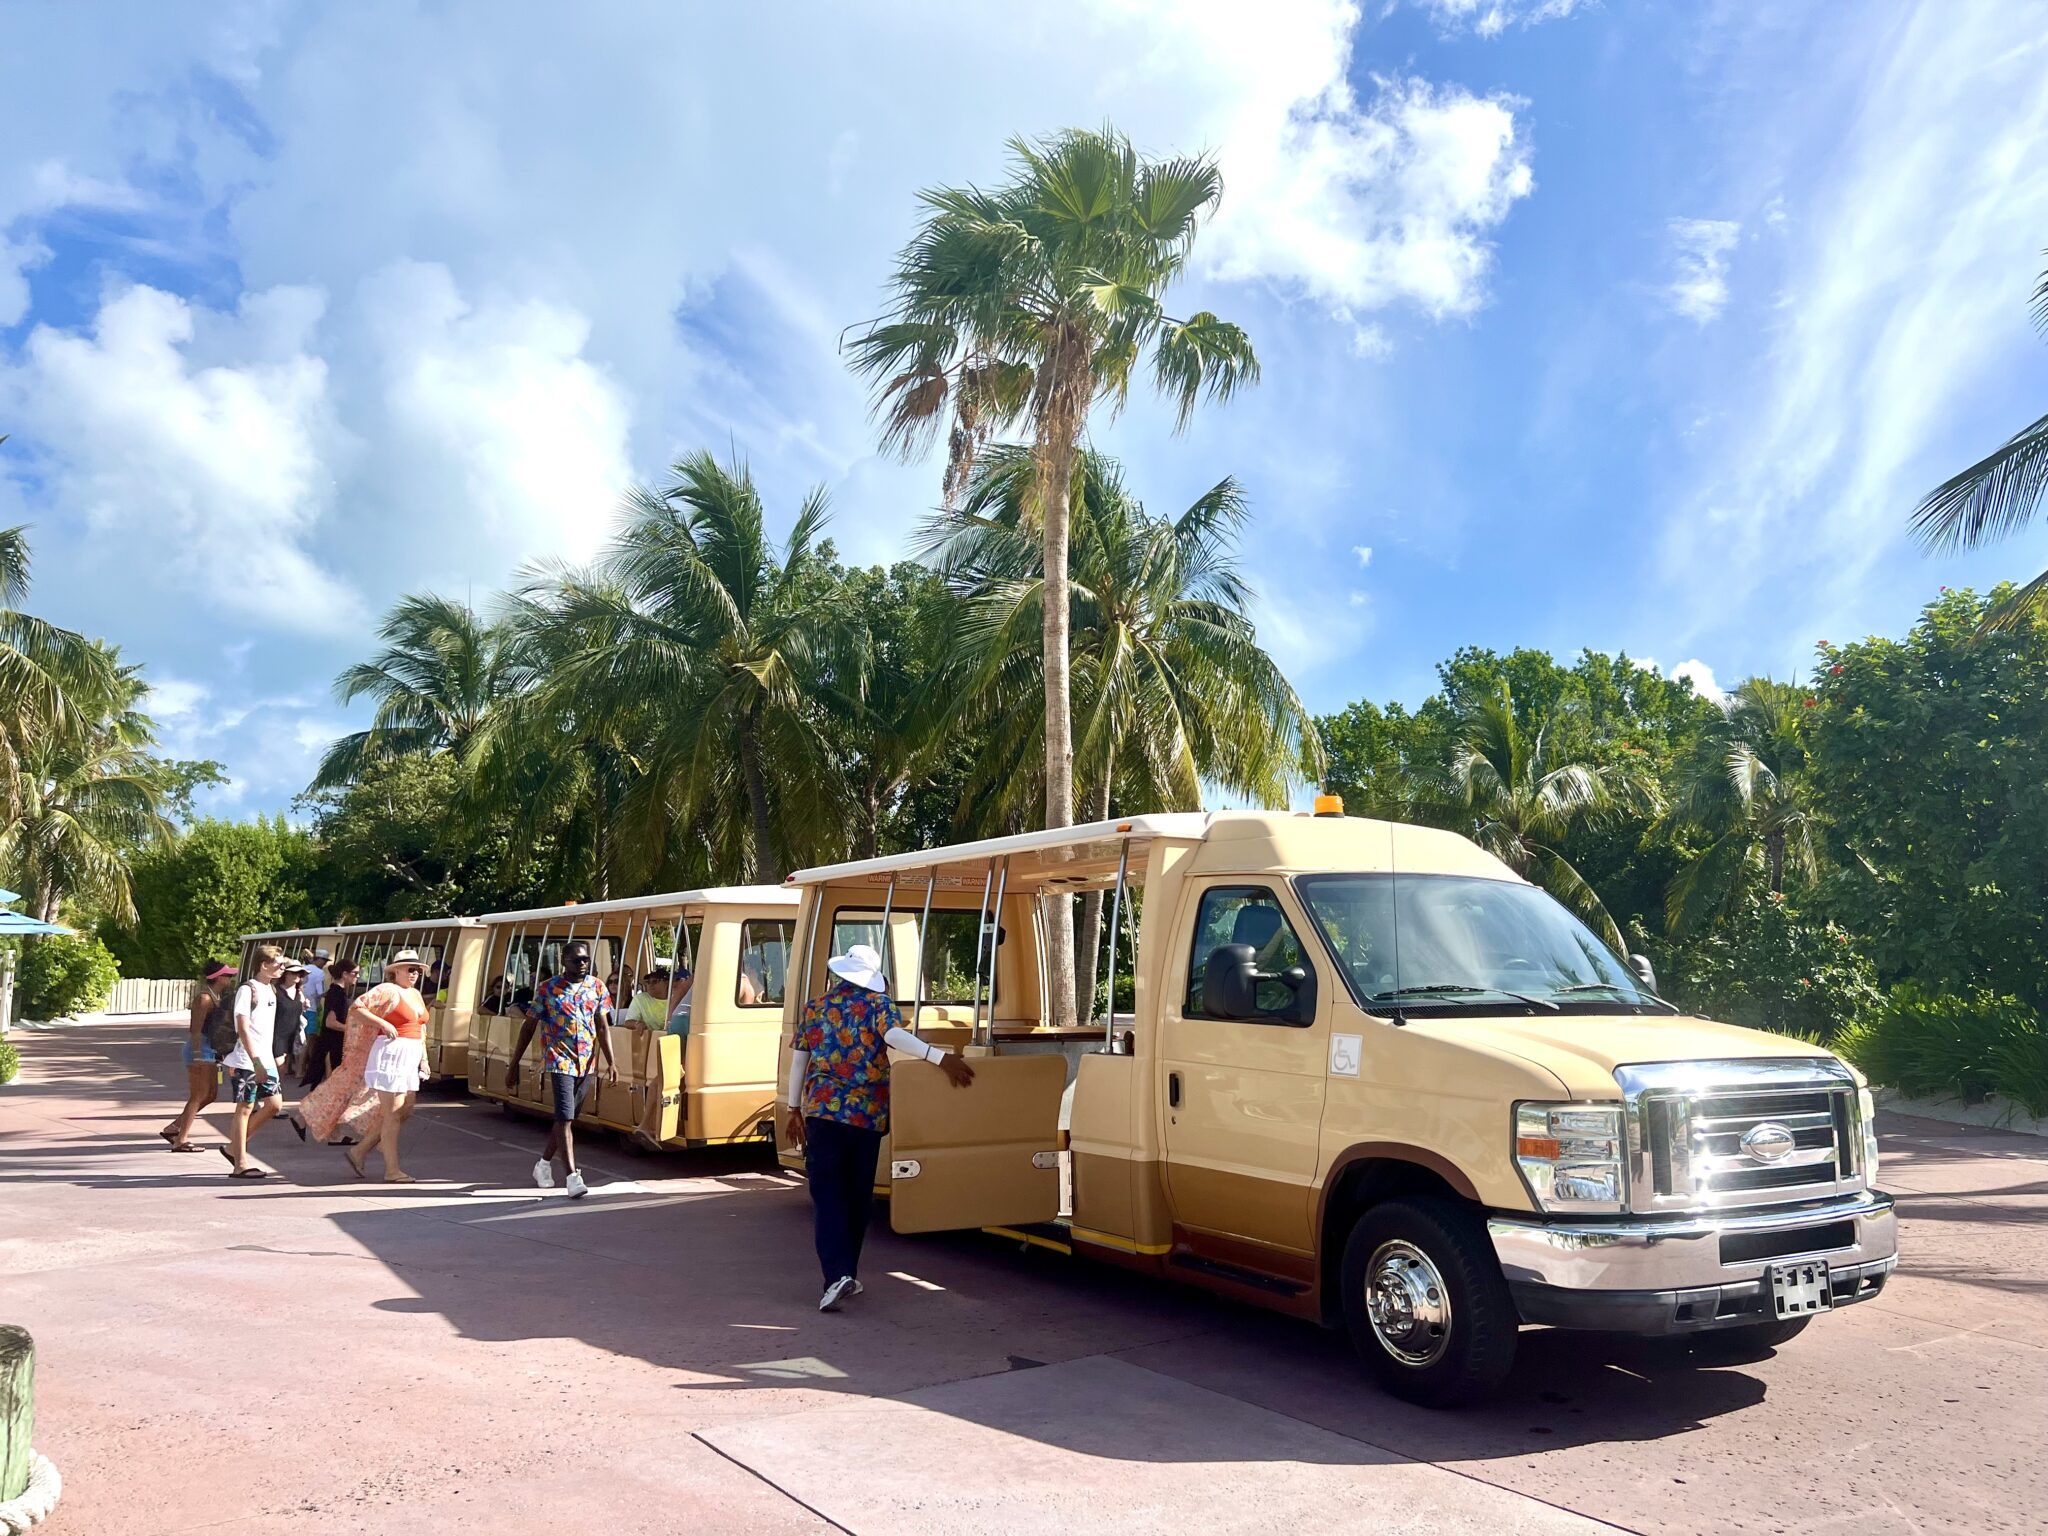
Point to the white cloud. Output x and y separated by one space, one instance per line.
1358 599
1701 676
55 184
16 262
1699 287
1364 554
190 444
1900 334
495 412
1368 204
1490 18
174 698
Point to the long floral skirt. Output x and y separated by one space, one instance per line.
341 1104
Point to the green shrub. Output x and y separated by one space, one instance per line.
1768 966
10 1062
1948 1045
62 976
2020 1068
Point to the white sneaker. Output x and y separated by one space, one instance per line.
855 1289
577 1188
544 1174
837 1292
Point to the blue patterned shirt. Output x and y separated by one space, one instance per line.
848 1077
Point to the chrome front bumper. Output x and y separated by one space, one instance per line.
1663 1274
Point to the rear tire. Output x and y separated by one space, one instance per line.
1428 1310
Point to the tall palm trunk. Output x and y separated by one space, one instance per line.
1059 430
767 867
1774 855
1091 924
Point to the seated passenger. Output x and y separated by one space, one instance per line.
649 1008
680 995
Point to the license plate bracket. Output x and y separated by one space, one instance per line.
1801 1288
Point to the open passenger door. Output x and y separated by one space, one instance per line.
985 1155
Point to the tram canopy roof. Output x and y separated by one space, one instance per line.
1069 858
401 925
710 895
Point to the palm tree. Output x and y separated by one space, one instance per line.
1172 688
727 644
1031 303
1745 788
1997 495
89 793
39 664
441 672
1519 793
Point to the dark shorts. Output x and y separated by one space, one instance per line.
569 1092
249 1088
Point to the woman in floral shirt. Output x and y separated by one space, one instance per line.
838 1106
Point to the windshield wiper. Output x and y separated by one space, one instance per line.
1459 989
1637 995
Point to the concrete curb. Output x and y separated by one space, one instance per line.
1997 1113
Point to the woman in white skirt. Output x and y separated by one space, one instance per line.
397 1063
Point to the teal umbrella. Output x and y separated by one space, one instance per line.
21 922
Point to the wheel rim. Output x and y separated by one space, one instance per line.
1408 1304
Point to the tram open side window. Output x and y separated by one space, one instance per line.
764 960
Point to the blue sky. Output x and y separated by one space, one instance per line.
1614 324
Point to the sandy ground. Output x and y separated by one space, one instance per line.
314 1354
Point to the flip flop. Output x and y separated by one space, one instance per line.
186 1146
355 1167
167 1137
400 1178
249 1173
224 1152
298 1125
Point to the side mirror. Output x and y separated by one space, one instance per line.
1645 972
1230 987
1230 983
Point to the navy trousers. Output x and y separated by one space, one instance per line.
839 1162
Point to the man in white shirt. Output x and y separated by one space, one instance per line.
252 1070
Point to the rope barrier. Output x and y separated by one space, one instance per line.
37 1500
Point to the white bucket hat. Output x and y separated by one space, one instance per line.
859 965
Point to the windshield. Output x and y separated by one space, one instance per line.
1461 941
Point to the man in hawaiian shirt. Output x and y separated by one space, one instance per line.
838 1105
573 1012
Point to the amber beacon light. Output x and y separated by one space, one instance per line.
1329 805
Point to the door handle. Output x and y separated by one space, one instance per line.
1173 1090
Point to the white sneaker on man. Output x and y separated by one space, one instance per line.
855 1289
577 1188
837 1292
544 1174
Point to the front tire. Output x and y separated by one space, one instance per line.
1428 1310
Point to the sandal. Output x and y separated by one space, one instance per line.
249 1173
166 1134
186 1146
355 1167
298 1125
400 1178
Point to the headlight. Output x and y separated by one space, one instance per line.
1570 1155
1866 1111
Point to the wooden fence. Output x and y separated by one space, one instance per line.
143 995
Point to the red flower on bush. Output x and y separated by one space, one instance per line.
1836 670
1812 703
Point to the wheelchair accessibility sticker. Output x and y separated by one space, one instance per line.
1344 1053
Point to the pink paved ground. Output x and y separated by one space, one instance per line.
316 1355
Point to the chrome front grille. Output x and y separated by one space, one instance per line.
1740 1133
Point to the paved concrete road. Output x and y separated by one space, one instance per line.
314 1354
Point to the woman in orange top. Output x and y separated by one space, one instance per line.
398 1057
341 1106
